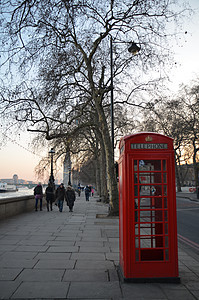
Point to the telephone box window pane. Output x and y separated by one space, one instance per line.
147 229
148 190
166 241
165 190
167 254
166 216
165 202
136 229
137 255
135 165
157 178
151 242
151 216
151 229
150 165
150 178
145 203
136 242
158 215
145 190
166 228
135 190
164 165
164 178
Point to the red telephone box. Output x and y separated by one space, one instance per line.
148 229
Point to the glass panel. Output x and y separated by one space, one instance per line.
146 178
166 254
150 165
164 165
136 229
137 255
165 202
166 241
145 190
148 190
135 165
158 228
136 242
147 229
164 178
151 203
151 242
166 216
151 178
146 203
166 228
165 190
151 216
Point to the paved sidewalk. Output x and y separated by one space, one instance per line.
190 196
53 255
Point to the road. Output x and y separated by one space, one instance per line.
188 223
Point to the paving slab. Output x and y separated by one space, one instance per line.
37 290
7 288
86 275
55 264
93 290
41 275
9 274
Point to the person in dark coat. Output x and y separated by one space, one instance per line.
87 193
70 198
60 196
49 196
38 193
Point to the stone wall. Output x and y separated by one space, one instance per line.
14 206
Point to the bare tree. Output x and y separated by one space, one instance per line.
68 41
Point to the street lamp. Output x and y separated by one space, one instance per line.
69 175
51 179
134 49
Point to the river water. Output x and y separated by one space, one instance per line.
19 193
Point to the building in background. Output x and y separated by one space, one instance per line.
15 179
67 180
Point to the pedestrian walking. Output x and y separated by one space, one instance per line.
60 196
87 192
70 198
79 191
50 196
38 193
92 191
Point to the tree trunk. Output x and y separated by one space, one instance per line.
98 181
178 179
104 195
111 176
177 175
195 166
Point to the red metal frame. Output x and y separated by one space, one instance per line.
148 229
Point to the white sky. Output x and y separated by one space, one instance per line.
14 159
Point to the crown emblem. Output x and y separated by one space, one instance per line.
148 139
